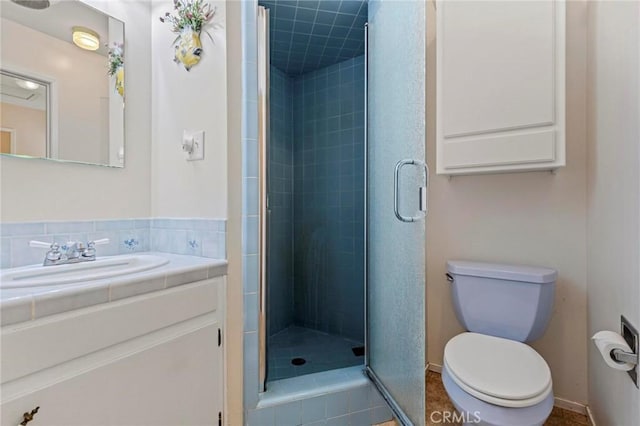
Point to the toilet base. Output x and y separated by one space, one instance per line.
479 413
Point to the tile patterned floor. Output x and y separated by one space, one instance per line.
437 400
321 351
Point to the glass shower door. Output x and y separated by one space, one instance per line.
396 205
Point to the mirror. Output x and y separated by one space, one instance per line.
62 81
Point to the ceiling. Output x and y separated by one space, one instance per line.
11 93
59 19
306 35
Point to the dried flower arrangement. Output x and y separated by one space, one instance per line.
116 66
188 21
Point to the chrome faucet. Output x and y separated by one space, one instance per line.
71 252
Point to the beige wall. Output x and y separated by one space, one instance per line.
47 190
194 100
81 84
613 197
527 218
30 127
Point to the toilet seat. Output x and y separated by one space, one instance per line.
494 415
499 371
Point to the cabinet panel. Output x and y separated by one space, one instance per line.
116 322
501 150
178 381
497 65
500 86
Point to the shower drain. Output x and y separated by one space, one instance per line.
298 361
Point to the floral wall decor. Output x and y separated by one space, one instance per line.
116 66
188 20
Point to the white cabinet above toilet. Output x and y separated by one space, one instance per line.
500 86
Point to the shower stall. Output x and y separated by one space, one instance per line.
341 102
314 195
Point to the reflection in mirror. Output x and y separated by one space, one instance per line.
62 83
24 115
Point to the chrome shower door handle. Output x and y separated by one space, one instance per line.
423 197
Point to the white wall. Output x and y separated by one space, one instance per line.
81 85
194 100
47 190
613 197
527 218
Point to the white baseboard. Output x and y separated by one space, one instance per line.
570 405
559 402
435 368
592 422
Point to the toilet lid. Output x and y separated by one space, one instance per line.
496 370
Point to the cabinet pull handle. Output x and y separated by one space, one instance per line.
27 417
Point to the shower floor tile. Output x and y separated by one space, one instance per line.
320 351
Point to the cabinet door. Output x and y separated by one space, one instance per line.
500 86
173 379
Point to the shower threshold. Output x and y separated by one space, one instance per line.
311 385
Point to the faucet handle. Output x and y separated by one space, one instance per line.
54 252
90 252
41 244
94 243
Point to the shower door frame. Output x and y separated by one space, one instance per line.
263 155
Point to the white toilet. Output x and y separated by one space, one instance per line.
491 376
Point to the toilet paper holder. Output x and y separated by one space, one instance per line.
630 335
622 356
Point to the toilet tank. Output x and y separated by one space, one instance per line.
510 301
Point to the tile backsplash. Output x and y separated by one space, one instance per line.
197 237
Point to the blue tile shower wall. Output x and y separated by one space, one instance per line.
280 184
329 199
336 408
307 35
250 238
197 237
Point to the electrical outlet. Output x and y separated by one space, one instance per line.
193 145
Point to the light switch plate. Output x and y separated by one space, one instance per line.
195 143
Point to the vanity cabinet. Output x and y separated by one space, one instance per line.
167 374
500 86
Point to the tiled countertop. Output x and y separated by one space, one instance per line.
24 304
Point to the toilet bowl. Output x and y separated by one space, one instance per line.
491 376
495 381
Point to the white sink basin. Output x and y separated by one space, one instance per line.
102 268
